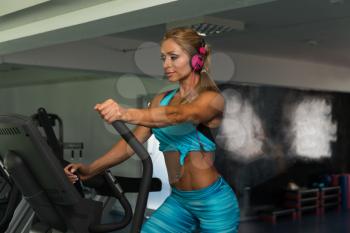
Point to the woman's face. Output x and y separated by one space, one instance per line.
176 63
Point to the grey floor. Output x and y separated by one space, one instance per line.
331 222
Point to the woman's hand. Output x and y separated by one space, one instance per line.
110 110
76 171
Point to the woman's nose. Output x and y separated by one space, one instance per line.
166 63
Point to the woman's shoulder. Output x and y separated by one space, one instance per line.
155 102
211 94
211 100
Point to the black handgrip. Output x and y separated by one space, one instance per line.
145 185
129 137
116 192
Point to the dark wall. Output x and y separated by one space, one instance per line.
268 173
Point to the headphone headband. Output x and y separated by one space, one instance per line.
202 50
197 60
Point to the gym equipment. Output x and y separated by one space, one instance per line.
271 215
330 197
10 197
39 176
344 183
303 200
47 121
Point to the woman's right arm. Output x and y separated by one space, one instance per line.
120 152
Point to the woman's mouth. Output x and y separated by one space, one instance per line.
169 74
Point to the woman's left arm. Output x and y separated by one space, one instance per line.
205 107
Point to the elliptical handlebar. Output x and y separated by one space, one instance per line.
145 184
147 171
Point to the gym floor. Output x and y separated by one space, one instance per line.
331 221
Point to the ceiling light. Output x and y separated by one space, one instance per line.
207 25
313 42
336 1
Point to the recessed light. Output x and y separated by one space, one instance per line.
336 1
312 42
207 25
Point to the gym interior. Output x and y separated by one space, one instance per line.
283 67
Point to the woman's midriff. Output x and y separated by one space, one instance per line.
197 172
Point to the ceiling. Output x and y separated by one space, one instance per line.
313 30
11 6
61 21
13 75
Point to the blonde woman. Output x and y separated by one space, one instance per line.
182 120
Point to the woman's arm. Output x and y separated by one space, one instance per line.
205 107
120 152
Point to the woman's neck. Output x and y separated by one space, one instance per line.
187 85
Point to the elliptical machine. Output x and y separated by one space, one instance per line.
47 122
39 176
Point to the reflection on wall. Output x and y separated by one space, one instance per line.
271 136
311 128
241 132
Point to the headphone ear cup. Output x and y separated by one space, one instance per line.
197 62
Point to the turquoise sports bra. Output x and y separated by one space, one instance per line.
183 137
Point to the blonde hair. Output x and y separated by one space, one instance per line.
190 41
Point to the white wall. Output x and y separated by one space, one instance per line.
74 102
102 54
105 54
290 73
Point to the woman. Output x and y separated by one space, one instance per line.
181 120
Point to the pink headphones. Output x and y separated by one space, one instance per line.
197 60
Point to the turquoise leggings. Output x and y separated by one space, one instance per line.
211 209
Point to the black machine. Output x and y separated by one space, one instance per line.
10 197
38 174
48 122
